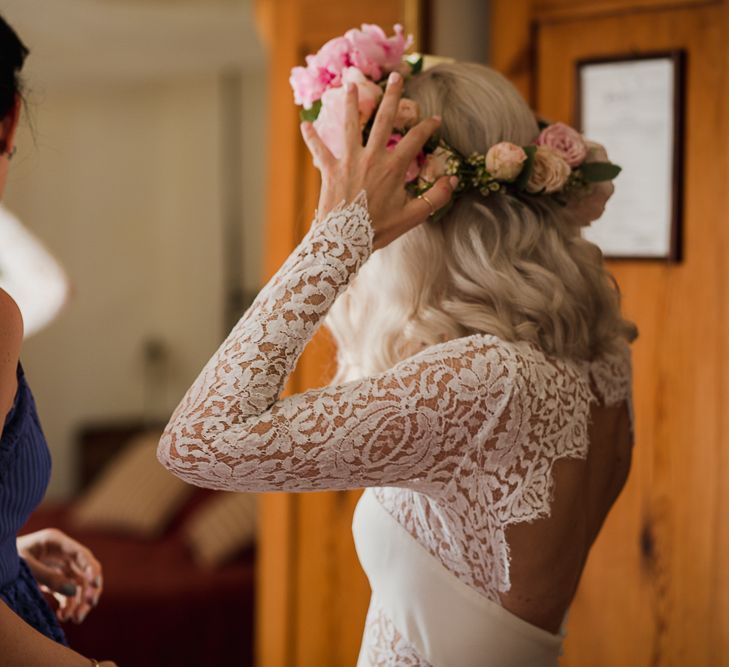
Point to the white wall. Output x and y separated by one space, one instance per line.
123 184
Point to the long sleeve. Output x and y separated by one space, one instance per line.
406 425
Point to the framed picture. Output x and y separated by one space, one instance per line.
634 105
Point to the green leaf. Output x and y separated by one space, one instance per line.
594 172
521 181
311 114
415 60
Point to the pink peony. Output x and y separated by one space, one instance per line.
504 160
375 53
367 49
414 168
330 122
550 171
408 114
308 87
567 141
323 70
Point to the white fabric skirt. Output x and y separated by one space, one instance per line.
446 621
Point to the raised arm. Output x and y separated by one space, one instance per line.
232 432
407 425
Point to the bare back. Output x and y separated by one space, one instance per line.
548 556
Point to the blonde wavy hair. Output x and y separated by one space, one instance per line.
514 267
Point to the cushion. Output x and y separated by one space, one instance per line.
134 494
221 528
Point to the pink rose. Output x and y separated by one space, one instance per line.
504 160
375 53
435 165
330 122
567 141
414 168
550 171
408 114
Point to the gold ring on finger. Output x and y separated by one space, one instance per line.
427 201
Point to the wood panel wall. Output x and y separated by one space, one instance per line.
655 589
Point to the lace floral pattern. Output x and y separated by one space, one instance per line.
383 645
459 439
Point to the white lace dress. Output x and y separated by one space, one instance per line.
457 442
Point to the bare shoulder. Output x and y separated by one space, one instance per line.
11 339
11 329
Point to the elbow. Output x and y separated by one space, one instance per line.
168 455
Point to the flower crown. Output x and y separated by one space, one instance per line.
558 161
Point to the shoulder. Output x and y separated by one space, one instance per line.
482 365
11 339
11 328
612 374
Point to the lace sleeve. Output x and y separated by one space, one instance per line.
231 431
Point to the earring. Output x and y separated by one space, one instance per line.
11 154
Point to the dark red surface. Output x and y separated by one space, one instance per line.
158 607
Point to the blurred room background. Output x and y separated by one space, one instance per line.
160 163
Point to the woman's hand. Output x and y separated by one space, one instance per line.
586 206
64 568
376 170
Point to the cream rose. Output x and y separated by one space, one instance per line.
504 160
408 114
435 165
550 171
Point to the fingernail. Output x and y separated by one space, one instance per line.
437 119
453 180
69 590
350 88
394 77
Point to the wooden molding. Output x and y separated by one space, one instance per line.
547 10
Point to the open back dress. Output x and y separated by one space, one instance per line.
456 446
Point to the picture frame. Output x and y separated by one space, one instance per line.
634 104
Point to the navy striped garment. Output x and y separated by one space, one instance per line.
25 467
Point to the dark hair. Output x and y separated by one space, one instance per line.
12 56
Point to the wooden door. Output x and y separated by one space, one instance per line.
655 589
312 594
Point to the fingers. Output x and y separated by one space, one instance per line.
77 564
418 210
382 127
413 142
323 157
53 579
352 130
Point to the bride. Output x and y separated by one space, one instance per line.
484 389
